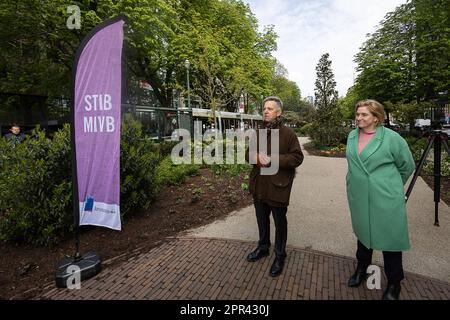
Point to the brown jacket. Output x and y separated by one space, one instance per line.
276 189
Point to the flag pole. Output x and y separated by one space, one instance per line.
76 201
72 270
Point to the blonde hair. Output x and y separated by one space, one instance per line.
374 107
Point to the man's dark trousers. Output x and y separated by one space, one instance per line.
263 218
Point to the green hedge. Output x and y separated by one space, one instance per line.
36 181
139 157
331 136
418 145
36 187
169 174
304 130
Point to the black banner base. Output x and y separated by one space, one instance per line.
67 270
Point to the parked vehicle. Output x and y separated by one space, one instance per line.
422 124
392 125
447 131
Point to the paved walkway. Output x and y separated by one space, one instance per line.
319 219
209 262
208 269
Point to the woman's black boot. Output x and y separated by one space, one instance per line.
358 277
392 292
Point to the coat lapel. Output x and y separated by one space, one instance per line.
372 145
353 149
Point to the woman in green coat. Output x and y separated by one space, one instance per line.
379 164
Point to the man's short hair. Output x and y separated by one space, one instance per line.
275 99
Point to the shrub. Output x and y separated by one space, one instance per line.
445 164
417 147
445 168
36 185
165 147
330 136
305 130
36 181
168 173
339 148
233 169
35 188
139 158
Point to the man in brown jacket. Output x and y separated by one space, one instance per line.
271 192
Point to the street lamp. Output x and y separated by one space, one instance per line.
187 64
262 107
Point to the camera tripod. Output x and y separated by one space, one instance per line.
436 138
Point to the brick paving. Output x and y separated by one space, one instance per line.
188 268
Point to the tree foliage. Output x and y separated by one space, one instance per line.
37 48
228 55
432 45
325 91
292 118
407 60
327 128
307 111
295 110
347 104
218 37
385 61
286 89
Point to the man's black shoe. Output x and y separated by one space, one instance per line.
257 254
357 278
277 267
392 292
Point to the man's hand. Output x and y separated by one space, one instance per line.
263 160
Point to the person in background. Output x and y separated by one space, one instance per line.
15 136
379 164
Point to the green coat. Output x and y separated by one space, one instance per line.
375 189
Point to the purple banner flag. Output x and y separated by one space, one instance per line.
97 104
